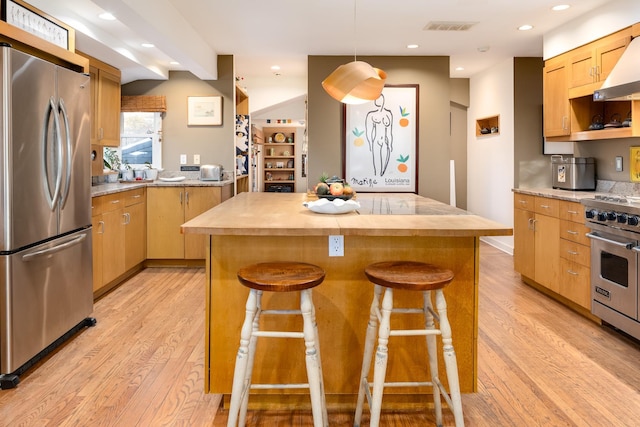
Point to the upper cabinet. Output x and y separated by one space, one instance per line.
590 65
105 102
556 97
569 81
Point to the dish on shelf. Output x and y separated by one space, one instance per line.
279 137
173 179
337 206
332 197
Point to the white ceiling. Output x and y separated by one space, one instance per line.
262 33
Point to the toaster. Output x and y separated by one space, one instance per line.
211 173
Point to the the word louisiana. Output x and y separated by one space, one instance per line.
397 182
373 182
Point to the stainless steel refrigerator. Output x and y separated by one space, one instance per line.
46 291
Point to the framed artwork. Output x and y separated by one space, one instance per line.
204 110
380 142
26 17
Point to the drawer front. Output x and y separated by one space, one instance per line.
111 202
524 201
575 232
575 252
547 206
572 211
575 282
96 206
133 197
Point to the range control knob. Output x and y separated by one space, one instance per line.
602 216
611 216
633 220
622 218
590 213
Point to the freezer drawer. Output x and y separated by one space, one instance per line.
46 291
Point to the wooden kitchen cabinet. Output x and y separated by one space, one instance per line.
168 209
591 64
551 248
118 221
555 94
105 103
536 239
575 253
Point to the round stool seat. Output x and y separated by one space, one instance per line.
281 276
409 275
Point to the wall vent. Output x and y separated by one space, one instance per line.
448 26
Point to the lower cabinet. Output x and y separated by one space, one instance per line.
119 231
550 246
168 209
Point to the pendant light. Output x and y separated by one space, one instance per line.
356 82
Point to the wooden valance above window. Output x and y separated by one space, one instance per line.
143 103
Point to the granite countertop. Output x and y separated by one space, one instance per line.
382 214
105 188
602 188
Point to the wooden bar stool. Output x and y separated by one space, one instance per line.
413 276
278 277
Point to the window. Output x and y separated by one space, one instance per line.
140 141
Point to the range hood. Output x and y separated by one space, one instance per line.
623 82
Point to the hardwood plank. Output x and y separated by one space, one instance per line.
142 364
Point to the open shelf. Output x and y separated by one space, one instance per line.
492 124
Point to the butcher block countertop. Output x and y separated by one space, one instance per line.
380 214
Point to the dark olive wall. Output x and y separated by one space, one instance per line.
215 144
325 119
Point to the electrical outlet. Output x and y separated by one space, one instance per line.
336 245
196 159
183 159
618 163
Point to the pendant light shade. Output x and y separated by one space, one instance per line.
355 83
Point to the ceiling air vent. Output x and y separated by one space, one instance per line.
448 26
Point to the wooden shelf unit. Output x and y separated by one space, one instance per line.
278 160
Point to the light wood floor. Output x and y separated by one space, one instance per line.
142 364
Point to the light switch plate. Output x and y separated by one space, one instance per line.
618 163
183 159
196 159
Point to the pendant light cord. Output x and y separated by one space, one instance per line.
355 30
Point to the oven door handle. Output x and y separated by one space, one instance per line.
594 236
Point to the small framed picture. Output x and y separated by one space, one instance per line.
204 110
279 165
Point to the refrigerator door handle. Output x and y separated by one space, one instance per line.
50 251
55 195
67 154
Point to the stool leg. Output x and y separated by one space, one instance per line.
317 339
250 358
239 388
380 369
369 342
432 349
313 367
450 361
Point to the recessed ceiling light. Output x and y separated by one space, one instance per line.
560 7
459 68
148 45
525 27
107 16
412 46
275 67
174 63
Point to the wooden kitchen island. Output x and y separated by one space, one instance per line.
258 227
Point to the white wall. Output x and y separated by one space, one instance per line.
490 172
611 17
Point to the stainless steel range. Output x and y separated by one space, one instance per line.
615 242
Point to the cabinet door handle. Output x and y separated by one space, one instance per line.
137 196
127 218
101 227
181 197
545 206
572 253
113 202
573 212
572 272
572 232
522 202
186 197
564 122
